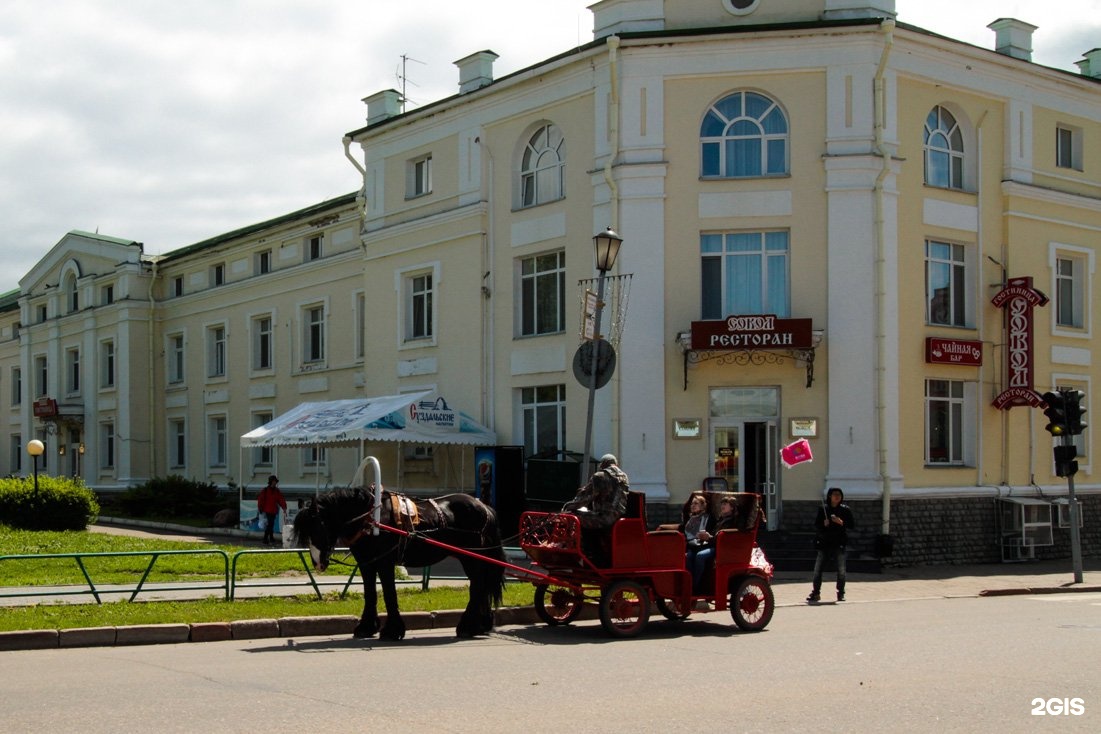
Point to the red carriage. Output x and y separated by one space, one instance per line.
635 568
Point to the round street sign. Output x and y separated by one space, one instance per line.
583 363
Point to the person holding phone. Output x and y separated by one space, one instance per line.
831 536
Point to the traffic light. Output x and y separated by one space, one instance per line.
1072 402
1056 412
1065 464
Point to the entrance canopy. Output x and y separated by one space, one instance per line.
414 417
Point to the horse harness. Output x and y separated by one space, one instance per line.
401 512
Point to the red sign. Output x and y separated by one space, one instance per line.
1019 298
953 351
752 332
45 408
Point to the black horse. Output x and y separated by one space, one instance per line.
343 517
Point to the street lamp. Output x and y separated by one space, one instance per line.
35 449
607 249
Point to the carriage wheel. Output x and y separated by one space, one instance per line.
624 608
752 604
675 609
556 604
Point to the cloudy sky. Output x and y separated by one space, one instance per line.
171 122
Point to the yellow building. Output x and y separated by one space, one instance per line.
829 220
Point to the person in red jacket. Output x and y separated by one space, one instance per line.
269 503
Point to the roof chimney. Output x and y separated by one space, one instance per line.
1091 65
1013 37
383 105
475 71
611 17
846 9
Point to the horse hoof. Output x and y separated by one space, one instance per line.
363 632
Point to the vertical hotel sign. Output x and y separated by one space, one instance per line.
1019 299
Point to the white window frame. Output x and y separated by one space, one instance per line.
263 342
263 457
217 444
217 357
217 275
314 247
533 287
1081 281
177 286
767 141
107 445
726 253
418 176
15 463
541 169
955 154
962 405
962 267
262 262
1068 147
107 294
404 285
314 320
177 443
531 406
359 308
16 385
175 354
108 365
315 459
41 375
72 371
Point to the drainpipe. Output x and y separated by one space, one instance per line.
488 254
613 189
152 374
887 28
979 289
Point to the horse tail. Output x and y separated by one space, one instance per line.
495 574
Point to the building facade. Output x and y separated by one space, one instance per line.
837 228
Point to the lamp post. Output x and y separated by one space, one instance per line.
35 449
607 249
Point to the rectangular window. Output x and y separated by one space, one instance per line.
543 294
218 439
107 364
744 273
42 313
419 177
107 295
313 247
262 455
216 351
420 307
1069 292
314 457
262 352
543 412
16 386
15 463
313 334
41 376
175 359
945 284
262 264
361 325
218 274
72 371
177 286
944 422
107 445
177 443
1068 147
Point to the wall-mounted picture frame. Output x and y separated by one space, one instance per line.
686 428
803 428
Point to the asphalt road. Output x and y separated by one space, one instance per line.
957 664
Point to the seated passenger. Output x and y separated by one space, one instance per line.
695 523
728 520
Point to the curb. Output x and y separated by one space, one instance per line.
246 629
1040 590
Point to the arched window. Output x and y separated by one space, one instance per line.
72 295
943 141
542 166
743 135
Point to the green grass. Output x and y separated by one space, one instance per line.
128 570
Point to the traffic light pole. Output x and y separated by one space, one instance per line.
1075 540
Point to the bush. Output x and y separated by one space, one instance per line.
172 496
60 503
